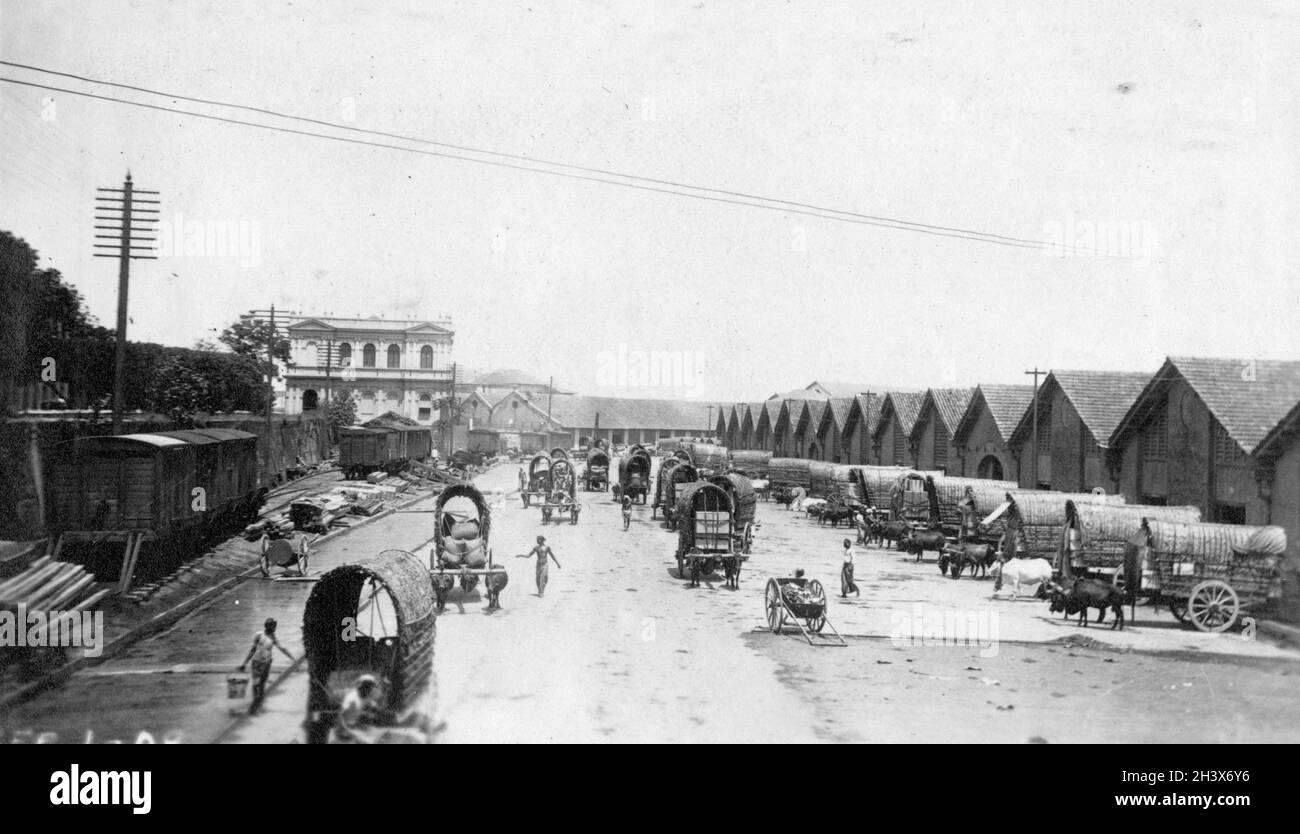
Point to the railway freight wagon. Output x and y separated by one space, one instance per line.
171 487
363 450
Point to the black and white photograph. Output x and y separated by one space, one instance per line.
475 373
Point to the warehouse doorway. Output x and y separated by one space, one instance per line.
310 400
991 468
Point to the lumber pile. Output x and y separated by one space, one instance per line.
47 585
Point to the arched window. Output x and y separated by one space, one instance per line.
426 357
310 400
394 356
368 356
309 355
345 353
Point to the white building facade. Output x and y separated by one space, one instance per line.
386 364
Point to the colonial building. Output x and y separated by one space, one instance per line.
387 365
932 436
891 441
1077 412
859 426
1193 434
496 384
980 439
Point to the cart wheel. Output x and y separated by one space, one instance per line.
816 624
772 602
1178 607
1213 605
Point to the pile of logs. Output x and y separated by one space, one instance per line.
48 585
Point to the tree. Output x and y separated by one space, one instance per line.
342 413
250 338
178 391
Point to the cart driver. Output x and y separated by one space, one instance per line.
359 711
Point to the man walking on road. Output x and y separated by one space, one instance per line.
261 656
544 558
847 585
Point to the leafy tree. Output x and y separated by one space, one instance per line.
250 338
342 413
178 391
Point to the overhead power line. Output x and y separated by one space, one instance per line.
517 163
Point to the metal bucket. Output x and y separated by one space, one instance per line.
236 688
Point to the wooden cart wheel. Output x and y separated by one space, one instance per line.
817 592
1178 607
772 601
1213 606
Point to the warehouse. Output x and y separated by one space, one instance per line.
891 444
980 440
941 409
1077 412
859 426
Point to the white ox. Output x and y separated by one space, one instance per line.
1021 572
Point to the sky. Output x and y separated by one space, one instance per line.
1171 127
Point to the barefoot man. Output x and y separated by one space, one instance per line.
544 558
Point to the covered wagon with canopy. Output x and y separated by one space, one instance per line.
537 484
563 499
706 534
461 551
744 502
371 624
670 486
634 476
1094 537
596 474
1207 574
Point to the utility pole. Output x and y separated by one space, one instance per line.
1036 373
452 414
709 428
127 224
550 393
255 317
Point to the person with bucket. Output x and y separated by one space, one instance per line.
261 655
544 558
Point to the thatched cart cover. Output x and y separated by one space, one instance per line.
1103 531
634 463
677 478
597 457
539 472
711 457
821 478
790 471
444 521
403 659
1245 557
1033 520
563 472
742 495
700 497
986 495
751 462
559 453
661 478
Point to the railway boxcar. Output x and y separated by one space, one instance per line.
165 486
